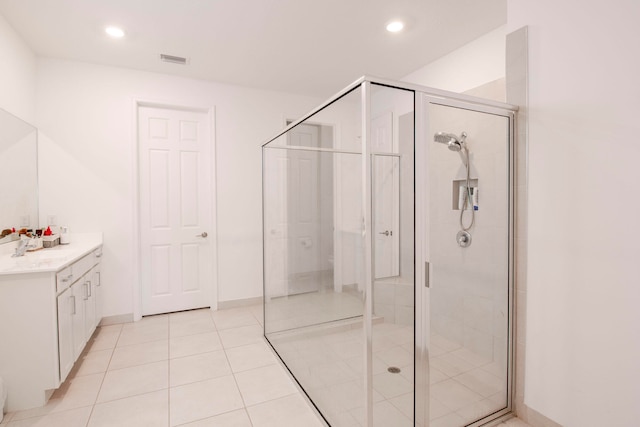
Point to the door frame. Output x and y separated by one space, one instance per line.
135 179
423 131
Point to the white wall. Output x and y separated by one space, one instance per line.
87 114
583 321
472 65
17 74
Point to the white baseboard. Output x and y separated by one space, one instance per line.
239 303
116 320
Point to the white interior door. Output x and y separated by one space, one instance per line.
276 164
386 198
175 209
386 211
303 213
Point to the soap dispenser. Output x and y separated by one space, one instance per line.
64 235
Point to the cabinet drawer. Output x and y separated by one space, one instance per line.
83 265
64 279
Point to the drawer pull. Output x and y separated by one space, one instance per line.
67 278
73 305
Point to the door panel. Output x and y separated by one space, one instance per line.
78 317
303 220
386 198
65 333
468 302
386 205
276 165
175 209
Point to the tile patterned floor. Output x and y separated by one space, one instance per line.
328 362
203 368
196 368
325 355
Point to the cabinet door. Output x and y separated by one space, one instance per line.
66 306
97 289
89 305
78 293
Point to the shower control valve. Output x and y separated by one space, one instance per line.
463 238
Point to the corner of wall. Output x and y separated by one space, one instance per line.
517 94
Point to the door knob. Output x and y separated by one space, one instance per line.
204 234
386 233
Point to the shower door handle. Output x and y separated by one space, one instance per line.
386 233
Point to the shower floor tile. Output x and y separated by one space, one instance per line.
327 360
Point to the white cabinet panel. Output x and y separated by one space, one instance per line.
65 333
97 289
89 306
77 318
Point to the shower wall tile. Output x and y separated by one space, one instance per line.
500 355
478 314
384 293
404 315
478 342
500 323
404 294
387 311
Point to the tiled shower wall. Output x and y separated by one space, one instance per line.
469 297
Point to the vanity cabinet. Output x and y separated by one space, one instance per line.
78 304
49 308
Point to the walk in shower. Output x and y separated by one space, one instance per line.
388 257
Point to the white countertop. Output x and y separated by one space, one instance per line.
48 259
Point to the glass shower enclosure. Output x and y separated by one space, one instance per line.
373 302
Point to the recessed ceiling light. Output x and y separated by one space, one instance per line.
115 32
395 26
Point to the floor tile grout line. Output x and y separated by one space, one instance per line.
169 373
235 380
113 350
226 348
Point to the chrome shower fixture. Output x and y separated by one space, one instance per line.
457 144
452 141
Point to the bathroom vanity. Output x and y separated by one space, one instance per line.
49 308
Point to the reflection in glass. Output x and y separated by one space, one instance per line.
18 174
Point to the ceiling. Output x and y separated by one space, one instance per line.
311 47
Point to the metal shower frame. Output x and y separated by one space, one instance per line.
423 96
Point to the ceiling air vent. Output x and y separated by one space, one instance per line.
173 59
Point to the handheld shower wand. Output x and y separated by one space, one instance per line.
457 144
454 144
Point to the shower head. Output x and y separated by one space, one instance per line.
452 141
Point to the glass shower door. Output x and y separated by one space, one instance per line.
468 254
